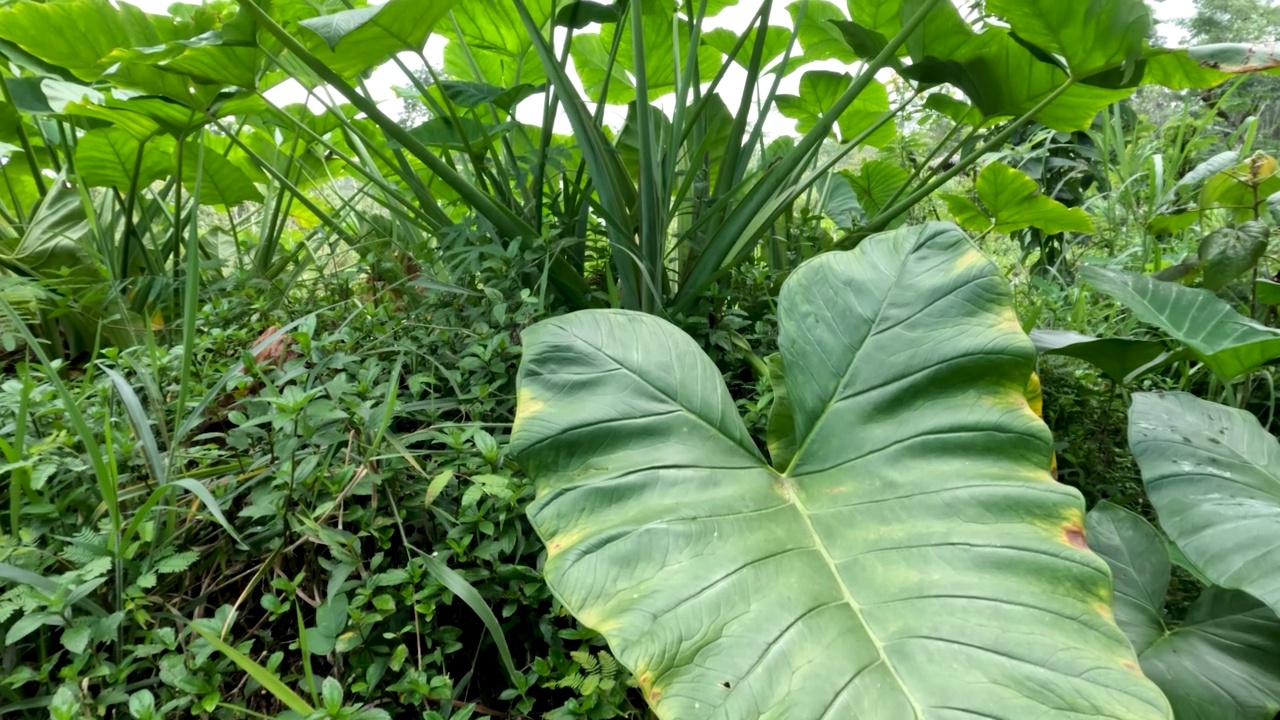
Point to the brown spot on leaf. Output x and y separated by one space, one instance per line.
1131 667
1074 535
1104 610
654 696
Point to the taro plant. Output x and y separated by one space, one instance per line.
902 551
1212 474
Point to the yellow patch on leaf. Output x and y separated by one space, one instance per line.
526 405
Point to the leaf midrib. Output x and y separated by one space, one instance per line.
788 485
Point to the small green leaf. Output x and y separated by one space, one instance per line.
1014 201
1117 358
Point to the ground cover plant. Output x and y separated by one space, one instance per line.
881 359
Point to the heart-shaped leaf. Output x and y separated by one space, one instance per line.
1213 475
1220 662
913 559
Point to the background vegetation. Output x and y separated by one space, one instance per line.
259 360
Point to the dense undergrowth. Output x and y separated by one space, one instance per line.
259 363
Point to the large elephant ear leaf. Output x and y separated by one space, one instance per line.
1220 662
913 560
1213 475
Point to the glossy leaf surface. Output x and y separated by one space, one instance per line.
1220 662
1213 475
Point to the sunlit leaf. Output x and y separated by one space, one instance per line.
109 157
926 560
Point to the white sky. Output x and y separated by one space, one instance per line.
382 81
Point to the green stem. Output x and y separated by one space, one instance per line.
885 217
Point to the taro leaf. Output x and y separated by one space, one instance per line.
776 40
466 132
820 89
1228 253
362 38
1117 358
1091 37
1212 474
1175 70
876 182
1237 57
959 111
782 426
1220 663
865 42
492 46
1013 202
86 32
820 37
998 75
581 13
222 182
108 157
914 555
1228 342
471 95
840 201
879 16
660 55
1140 569
1267 292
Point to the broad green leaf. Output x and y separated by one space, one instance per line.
782 427
1220 663
72 34
776 39
959 111
591 53
109 157
1140 569
1013 201
472 95
1173 223
876 182
467 132
881 16
914 560
1091 36
820 38
221 183
578 14
1228 342
1213 475
1000 76
1117 358
493 47
1175 70
1267 292
361 38
840 202
819 91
